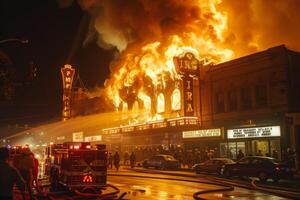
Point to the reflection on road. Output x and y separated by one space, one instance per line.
164 189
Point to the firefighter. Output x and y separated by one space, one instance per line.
110 160
132 160
117 160
26 168
35 171
9 177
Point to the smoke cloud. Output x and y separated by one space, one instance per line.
253 25
120 23
145 31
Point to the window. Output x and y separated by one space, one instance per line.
232 100
209 162
219 102
160 103
244 161
176 100
256 162
260 95
246 101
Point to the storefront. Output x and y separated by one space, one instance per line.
265 141
203 140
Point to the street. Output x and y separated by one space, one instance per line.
168 185
160 187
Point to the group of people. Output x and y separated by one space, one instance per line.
185 157
115 160
20 169
189 157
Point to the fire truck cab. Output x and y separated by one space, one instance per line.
76 165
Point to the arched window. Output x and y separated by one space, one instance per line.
147 103
124 107
135 107
160 103
176 100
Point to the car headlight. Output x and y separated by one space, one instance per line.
222 168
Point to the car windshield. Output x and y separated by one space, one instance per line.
275 161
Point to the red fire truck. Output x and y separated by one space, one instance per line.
76 165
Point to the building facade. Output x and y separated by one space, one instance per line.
250 98
251 104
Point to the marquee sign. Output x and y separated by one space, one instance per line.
202 133
93 138
187 64
67 73
254 132
78 137
188 96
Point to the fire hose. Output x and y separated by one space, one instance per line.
110 195
225 189
195 195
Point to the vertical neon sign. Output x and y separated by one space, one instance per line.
67 73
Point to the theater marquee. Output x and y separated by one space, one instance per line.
188 66
255 132
202 133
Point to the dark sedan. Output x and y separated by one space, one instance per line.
161 162
258 166
212 166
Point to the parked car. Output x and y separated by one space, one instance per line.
212 166
258 166
161 162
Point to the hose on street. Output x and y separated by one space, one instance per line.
110 195
278 191
225 189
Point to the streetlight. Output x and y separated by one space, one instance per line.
14 40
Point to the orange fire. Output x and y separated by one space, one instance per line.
144 70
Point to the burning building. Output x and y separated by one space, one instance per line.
177 82
242 104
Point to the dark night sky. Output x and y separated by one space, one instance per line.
51 32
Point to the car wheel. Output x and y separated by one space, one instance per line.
145 165
263 176
162 167
219 172
275 179
227 173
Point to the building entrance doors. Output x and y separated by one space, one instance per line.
260 147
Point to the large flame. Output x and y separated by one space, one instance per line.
149 34
143 69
